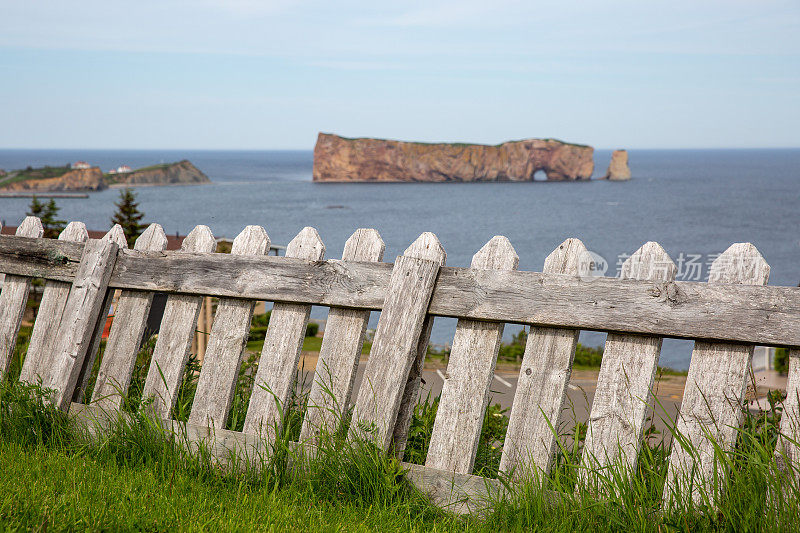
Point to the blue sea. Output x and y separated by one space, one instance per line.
695 203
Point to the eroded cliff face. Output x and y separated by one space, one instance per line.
180 173
88 179
618 169
341 159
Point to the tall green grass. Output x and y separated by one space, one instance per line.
137 474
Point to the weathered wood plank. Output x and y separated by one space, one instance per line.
116 235
127 330
465 393
277 367
768 316
625 382
14 297
546 367
217 382
335 374
175 336
41 350
427 246
79 319
395 348
788 448
711 409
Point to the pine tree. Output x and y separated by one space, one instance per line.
36 208
128 215
48 214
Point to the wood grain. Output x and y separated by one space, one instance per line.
335 374
14 297
711 409
127 330
277 367
226 343
117 236
546 367
768 316
625 382
80 315
175 336
427 246
465 392
398 335
41 351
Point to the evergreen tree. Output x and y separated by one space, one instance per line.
50 221
128 215
36 208
48 214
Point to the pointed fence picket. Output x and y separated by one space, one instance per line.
725 316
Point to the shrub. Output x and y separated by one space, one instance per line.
782 360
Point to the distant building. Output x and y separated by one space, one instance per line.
124 169
81 165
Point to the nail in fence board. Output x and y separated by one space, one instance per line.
340 352
397 339
117 236
226 343
13 299
175 335
625 381
277 367
541 387
80 315
41 353
465 393
715 386
127 330
427 246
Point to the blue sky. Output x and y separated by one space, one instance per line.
243 74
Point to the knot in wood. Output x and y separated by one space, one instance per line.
667 292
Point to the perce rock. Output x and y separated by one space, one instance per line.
618 169
376 160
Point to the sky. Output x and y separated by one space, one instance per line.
271 74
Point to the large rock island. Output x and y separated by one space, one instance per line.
376 160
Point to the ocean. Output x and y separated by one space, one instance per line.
695 203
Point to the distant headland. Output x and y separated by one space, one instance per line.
82 176
340 159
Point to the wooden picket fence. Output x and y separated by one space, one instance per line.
726 317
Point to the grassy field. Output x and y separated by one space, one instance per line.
138 476
29 173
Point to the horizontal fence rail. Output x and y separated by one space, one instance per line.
726 316
680 309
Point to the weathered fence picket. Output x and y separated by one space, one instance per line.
340 352
13 299
542 384
711 409
725 317
124 339
41 351
175 336
625 381
280 356
459 419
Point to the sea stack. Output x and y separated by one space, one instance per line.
618 169
377 160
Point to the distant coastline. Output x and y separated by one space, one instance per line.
84 177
